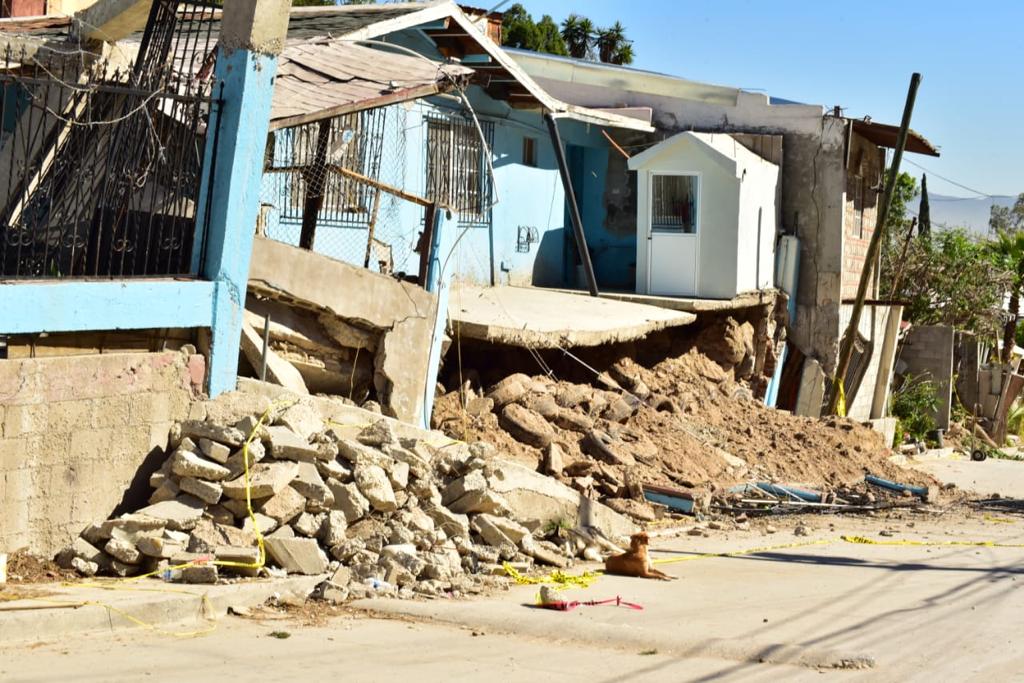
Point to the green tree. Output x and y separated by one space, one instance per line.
1007 218
550 37
950 279
578 33
1008 253
924 212
612 45
518 29
903 194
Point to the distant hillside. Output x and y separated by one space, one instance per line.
971 213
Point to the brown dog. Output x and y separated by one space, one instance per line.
635 562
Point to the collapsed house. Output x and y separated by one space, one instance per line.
422 201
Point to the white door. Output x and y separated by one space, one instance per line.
674 234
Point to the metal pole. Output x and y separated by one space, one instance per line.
266 349
846 349
574 209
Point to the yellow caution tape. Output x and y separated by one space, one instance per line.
975 544
999 520
560 580
841 405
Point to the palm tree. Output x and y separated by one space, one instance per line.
610 41
578 33
624 55
1008 253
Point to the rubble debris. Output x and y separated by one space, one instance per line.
370 511
686 422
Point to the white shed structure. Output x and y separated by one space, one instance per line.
705 217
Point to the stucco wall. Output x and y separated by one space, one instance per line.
813 185
928 354
74 432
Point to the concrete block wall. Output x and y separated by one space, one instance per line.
74 432
928 352
873 323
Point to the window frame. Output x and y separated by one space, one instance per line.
697 182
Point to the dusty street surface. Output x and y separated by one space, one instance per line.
909 612
1005 477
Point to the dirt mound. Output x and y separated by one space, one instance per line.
684 422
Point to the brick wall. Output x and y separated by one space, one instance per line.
860 210
74 432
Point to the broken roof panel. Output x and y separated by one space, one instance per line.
326 79
884 135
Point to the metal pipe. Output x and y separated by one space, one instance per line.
570 198
266 348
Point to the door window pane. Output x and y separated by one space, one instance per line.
674 203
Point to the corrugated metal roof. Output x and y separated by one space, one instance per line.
316 77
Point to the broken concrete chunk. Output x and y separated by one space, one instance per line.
297 555
285 506
180 514
379 434
207 491
495 530
526 426
79 548
332 532
603 447
360 454
167 491
264 524
308 524
196 429
332 469
84 567
238 560
159 547
302 419
310 484
123 551
201 573
510 389
130 524
474 481
374 484
481 501
217 452
451 523
399 475
220 514
287 445
250 426
349 499
188 464
554 461
265 480
208 535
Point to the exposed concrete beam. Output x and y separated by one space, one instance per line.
112 20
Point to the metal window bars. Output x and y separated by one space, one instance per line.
100 165
457 174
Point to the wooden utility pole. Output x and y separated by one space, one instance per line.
846 348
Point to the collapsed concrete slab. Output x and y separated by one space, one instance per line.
399 314
538 500
547 319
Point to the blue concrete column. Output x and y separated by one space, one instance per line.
440 269
252 33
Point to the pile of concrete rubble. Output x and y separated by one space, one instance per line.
370 510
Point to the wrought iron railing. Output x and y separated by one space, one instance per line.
101 165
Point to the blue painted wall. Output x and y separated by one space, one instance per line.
528 197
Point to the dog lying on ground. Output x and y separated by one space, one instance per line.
635 562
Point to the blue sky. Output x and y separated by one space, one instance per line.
859 56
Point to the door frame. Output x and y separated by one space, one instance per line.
650 223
